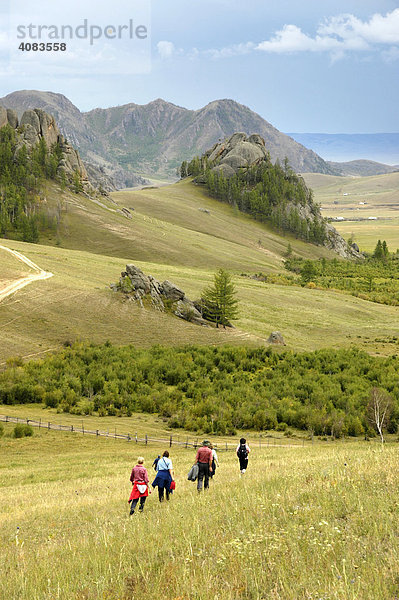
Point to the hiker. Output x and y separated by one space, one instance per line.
139 479
204 460
164 476
154 464
215 462
242 452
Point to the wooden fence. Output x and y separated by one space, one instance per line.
253 442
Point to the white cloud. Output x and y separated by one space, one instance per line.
166 49
337 35
235 50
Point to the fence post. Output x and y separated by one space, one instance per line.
115 432
170 442
128 436
226 447
186 442
6 419
48 425
97 432
40 422
72 428
146 439
136 437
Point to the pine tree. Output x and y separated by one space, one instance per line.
308 271
288 253
385 249
219 300
379 251
183 169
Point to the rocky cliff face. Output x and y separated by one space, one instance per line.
36 124
146 290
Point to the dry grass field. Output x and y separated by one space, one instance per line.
303 523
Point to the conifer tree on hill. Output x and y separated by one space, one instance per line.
219 302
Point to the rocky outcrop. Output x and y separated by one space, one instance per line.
165 296
240 152
36 124
336 242
237 152
276 338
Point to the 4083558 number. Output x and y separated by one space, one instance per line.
42 47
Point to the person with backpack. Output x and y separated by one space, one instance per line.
139 479
156 460
243 451
164 476
204 460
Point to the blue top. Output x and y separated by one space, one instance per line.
164 464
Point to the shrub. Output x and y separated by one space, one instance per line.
1 429
21 431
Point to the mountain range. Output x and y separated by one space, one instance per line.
133 141
128 144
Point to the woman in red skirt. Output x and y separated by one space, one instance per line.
139 479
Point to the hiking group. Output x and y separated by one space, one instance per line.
206 462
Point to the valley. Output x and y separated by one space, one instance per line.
170 238
356 199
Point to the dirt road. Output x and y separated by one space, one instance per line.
10 287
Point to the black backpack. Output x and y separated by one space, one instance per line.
242 451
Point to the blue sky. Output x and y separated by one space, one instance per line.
310 66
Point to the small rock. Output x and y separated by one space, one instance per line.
276 338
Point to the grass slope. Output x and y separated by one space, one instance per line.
167 227
11 268
380 194
312 522
77 304
170 238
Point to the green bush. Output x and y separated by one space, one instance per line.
212 389
21 431
1 429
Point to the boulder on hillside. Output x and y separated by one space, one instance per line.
141 288
237 152
12 118
171 291
276 338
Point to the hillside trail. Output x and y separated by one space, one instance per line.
10 287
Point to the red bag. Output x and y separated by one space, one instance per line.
173 485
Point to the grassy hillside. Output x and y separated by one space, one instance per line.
170 238
168 227
77 304
312 522
380 195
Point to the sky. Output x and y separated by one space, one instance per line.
311 66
